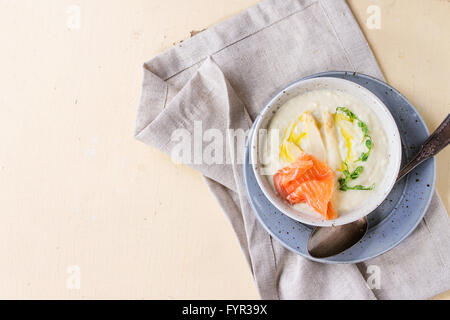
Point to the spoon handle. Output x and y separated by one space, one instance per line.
437 141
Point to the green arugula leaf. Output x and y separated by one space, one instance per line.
364 156
348 113
343 181
355 174
357 187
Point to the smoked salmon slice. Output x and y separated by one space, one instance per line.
307 180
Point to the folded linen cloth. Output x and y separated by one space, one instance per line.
220 79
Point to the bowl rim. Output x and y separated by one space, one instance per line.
281 204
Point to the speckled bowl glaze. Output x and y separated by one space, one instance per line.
368 100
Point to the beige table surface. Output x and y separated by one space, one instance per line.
83 203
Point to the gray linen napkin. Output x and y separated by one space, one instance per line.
220 79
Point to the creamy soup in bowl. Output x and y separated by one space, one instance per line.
326 152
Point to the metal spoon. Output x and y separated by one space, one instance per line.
329 241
